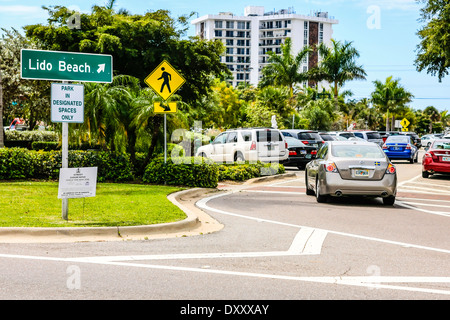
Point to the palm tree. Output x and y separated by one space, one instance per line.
338 65
445 119
285 69
434 116
389 97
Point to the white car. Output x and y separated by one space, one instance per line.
247 144
428 139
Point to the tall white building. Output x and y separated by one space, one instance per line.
248 38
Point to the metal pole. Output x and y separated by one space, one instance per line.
65 163
165 139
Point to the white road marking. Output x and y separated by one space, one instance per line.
362 281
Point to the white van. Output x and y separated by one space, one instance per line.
246 144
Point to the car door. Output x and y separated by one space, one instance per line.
230 146
219 145
313 166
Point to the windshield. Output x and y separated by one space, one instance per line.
441 145
309 136
373 135
268 136
357 151
397 139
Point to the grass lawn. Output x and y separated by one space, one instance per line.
36 204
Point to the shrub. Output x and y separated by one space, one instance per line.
241 172
183 171
36 135
45 145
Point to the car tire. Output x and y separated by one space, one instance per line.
320 197
309 192
425 174
389 201
238 157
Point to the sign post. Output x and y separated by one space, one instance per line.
165 80
67 100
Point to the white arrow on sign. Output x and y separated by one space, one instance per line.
101 68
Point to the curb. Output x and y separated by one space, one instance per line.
191 222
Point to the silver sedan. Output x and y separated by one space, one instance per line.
346 168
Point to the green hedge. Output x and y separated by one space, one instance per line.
19 163
242 172
187 171
35 135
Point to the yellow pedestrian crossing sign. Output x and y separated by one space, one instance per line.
165 80
404 123
165 107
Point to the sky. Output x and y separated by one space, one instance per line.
383 31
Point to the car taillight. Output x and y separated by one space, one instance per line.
408 147
253 146
292 153
330 167
431 154
385 146
285 145
314 152
305 142
390 169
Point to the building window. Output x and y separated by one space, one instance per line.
230 42
320 32
229 50
241 25
228 59
241 43
218 24
229 34
230 24
241 34
217 33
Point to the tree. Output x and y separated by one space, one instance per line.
338 65
434 116
284 69
434 49
389 97
138 44
24 98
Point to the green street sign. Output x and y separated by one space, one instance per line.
65 66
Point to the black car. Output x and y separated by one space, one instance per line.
307 137
415 137
299 153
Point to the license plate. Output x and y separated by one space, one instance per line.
445 158
315 145
396 148
361 173
302 151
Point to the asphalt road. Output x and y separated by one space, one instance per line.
277 243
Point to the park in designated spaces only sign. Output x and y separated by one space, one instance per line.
67 103
77 182
66 66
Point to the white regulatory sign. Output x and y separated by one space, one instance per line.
77 182
67 103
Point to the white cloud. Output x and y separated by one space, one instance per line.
19 10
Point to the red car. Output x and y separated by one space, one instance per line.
436 158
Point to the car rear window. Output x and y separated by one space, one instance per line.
441 145
309 136
401 139
268 136
373 135
347 135
357 151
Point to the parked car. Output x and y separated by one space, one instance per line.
247 144
385 134
299 153
347 168
401 147
428 139
326 136
371 136
342 134
415 138
437 158
308 137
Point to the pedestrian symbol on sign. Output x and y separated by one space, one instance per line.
164 80
167 78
